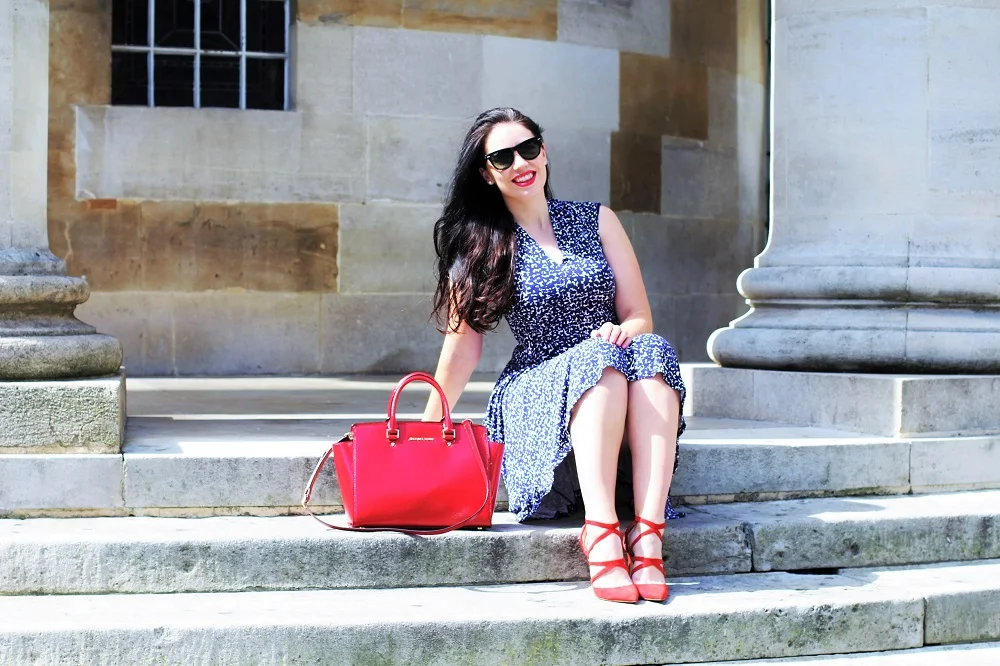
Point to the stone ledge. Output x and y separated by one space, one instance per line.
63 416
892 405
743 616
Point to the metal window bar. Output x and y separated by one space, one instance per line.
152 51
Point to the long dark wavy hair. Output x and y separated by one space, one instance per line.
474 237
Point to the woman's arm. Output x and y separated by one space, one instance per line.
631 302
460 355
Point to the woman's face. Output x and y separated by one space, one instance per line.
523 178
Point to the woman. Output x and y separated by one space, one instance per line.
587 365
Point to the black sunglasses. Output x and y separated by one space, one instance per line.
528 149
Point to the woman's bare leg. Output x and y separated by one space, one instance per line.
653 415
596 428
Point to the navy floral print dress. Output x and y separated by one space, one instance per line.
555 362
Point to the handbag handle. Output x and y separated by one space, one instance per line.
392 429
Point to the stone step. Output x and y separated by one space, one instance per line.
969 654
234 554
196 467
712 618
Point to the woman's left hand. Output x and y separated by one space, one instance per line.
613 333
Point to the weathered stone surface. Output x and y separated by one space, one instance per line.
768 462
979 654
235 554
324 64
386 13
395 73
587 79
66 481
705 31
579 164
280 156
695 315
752 34
855 532
750 616
962 600
70 416
531 19
411 159
222 333
635 172
954 463
390 248
892 405
699 181
638 26
663 96
58 356
689 257
143 322
964 152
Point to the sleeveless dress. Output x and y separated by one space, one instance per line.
555 362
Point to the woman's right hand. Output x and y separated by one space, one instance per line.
613 333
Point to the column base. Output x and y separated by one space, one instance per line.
63 416
861 337
892 405
64 356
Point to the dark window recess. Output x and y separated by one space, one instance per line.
257 40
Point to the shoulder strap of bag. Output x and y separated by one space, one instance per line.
315 475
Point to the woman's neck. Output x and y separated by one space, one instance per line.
530 213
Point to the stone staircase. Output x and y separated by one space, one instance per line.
185 549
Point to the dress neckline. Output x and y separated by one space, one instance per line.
552 221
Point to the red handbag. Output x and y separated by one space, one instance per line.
415 477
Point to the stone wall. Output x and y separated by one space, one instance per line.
245 242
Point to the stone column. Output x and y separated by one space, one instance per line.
884 253
40 339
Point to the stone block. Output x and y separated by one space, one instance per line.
769 615
64 416
142 321
964 618
705 31
955 462
202 246
234 333
641 26
752 35
523 74
531 19
385 13
412 159
752 150
62 482
855 532
635 172
378 334
890 405
324 66
663 96
696 316
724 108
395 73
699 181
390 247
682 257
104 246
763 464
841 160
126 152
580 164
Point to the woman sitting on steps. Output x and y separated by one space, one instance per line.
587 366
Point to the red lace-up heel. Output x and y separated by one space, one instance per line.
648 591
627 594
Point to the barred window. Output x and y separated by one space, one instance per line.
200 53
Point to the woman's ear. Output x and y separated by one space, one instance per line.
486 176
